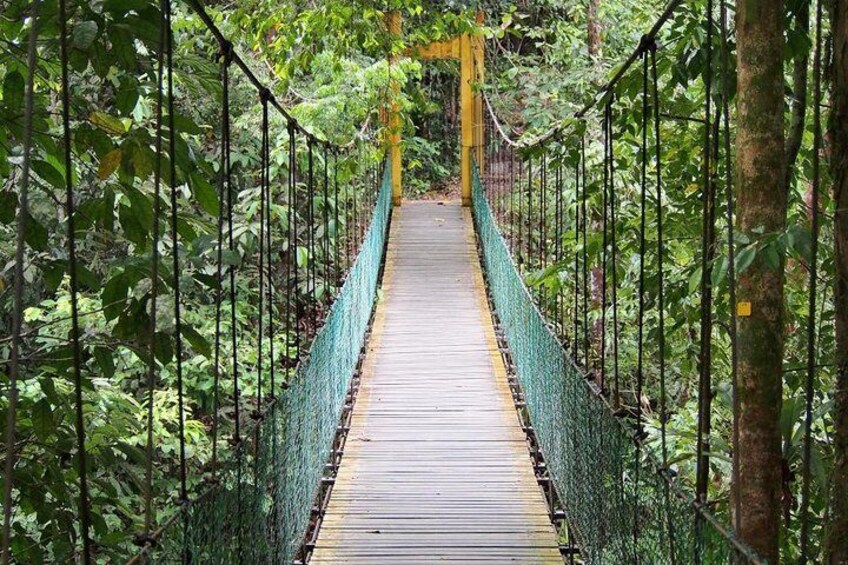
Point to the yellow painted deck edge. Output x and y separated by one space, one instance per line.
373 344
498 367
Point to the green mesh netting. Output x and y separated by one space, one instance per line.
619 507
260 510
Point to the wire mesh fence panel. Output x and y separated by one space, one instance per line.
261 506
619 504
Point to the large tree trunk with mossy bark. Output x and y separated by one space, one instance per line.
836 542
761 212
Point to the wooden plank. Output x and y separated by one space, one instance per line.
436 466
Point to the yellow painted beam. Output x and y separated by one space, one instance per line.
393 22
478 49
436 50
466 105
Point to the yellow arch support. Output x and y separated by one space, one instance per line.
469 50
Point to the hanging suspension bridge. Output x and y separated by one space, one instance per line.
424 404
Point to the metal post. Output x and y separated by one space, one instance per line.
466 103
393 21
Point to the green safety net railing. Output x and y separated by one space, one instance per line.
620 507
261 506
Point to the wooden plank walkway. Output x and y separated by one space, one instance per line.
436 467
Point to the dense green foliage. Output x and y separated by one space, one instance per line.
327 63
554 86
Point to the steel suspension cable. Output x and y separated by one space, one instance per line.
520 196
18 290
336 227
560 297
530 262
270 278
231 269
731 260
585 250
79 422
652 52
154 278
172 149
326 204
707 250
543 228
641 298
577 200
263 190
809 384
223 187
311 276
604 246
294 246
614 258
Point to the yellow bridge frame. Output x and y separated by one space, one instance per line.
469 50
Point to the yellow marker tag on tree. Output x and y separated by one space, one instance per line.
743 309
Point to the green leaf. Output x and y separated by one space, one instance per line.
231 257
13 92
205 194
42 419
8 206
141 207
302 256
109 164
53 273
744 258
162 348
84 34
105 361
114 296
127 96
123 47
197 341
142 160
719 271
36 234
49 173
107 122
134 231
120 6
695 280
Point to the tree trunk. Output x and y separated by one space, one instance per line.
836 541
593 30
762 198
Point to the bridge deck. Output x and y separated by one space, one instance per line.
436 466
